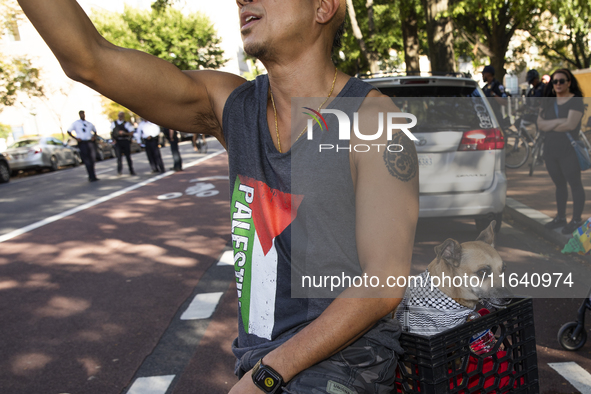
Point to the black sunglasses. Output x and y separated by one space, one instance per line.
560 81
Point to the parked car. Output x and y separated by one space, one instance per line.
104 149
134 146
185 136
4 168
461 166
41 152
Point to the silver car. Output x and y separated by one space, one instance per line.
461 166
41 152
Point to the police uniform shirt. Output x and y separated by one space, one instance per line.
127 125
148 129
538 91
494 87
83 128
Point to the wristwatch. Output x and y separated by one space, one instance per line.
266 378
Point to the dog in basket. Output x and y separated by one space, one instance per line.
432 303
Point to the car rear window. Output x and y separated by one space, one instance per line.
24 143
441 108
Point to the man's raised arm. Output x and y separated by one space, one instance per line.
190 101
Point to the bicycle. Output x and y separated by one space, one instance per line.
517 148
537 151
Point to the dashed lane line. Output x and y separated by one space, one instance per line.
575 374
227 258
180 341
202 306
55 218
151 385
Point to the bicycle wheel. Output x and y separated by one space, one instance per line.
536 154
516 150
566 339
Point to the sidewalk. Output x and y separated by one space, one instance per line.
531 201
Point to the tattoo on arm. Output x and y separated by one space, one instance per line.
403 165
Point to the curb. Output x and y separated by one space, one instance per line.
534 221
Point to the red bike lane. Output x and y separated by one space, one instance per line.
84 300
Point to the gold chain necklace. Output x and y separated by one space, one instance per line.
275 111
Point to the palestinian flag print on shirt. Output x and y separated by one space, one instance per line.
259 215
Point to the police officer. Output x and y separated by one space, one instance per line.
533 96
85 135
173 138
495 90
122 132
150 132
537 86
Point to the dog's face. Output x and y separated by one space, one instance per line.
477 263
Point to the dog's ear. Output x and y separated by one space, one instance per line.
450 251
488 234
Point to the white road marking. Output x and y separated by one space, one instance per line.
575 374
202 306
55 218
104 171
170 196
227 258
151 385
211 178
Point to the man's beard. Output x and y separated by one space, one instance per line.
259 51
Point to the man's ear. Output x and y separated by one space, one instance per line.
330 9
450 251
488 235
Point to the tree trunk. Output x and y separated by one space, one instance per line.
410 37
369 56
440 36
498 62
498 44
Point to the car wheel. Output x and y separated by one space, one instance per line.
4 173
77 160
53 165
100 155
482 223
113 154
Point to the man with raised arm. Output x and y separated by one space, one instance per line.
359 210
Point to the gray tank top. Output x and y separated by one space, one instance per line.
274 221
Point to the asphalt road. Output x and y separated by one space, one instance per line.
114 298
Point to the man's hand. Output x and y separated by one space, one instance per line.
245 386
192 101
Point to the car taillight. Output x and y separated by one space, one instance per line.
38 150
485 139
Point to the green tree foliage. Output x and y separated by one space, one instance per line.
187 41
5 130
16 74
489 25
379 32
564 34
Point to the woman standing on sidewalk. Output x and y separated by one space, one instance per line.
558 116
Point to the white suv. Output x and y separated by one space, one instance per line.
460 147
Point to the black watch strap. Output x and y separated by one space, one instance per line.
266 378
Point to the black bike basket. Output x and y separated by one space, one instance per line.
444 363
